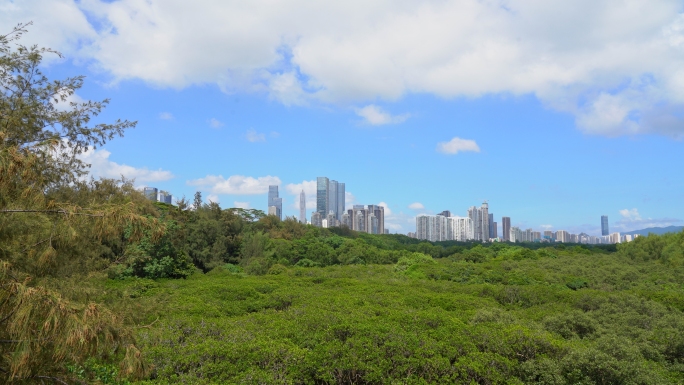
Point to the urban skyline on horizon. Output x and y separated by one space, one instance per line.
274 207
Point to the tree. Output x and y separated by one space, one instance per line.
198 201
40 329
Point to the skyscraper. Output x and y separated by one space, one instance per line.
275 201
332 197
604 225
506 228
322 195
340 200
150 193
302 207
492 228
480 218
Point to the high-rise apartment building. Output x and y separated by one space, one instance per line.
150 193
604 225
275 201
506 228
322 195
480 218
436 228
562 236
316 219
302 207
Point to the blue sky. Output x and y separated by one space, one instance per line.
555 113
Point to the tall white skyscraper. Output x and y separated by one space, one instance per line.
302 207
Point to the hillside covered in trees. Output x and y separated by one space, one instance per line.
100 285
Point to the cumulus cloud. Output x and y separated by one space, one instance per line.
65 105
388 212
631 219
309 187
236 184
613 64
416 206
630 214
375 116
456 145
166 116
252 136
215 123
241 205
213 198
102 167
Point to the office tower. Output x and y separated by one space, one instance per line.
150 193
494 233
492 229
340 200
445 213
302 207
332 197
604 225
322 191
506 228
275 201
316 219
165 197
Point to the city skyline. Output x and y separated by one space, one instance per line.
422 119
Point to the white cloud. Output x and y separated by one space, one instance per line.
102 167
252 136
456 145
630 214
236 184
213 198
546 227
309 187
166 116
215 123
241 205
614 64
349 199
375 116
388 212
416 206
65 105
632 220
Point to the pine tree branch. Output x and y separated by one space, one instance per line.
11 211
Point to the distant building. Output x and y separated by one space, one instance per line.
150 193
340 211
562 236
493 231
548 234
506 228
322 195
492 227
445 213
604 225
275 201
316 219
480 218
302 207
436 228
165 197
